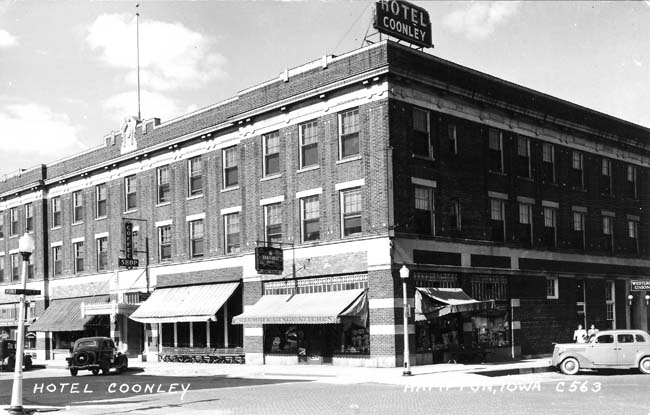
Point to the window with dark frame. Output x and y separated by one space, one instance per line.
29 217
196 238
552 291
630 187
421 133
349 133
424 216
57 260
579 240
351 211
310 209
79 256
454 217
232 232
608 232
550 225
497 219
452 138
523 157
195 176
100 201
271 150
308 144
2 268
2 224
77 206
162 180
526 222
102 253
605 182
130 193
165 243
577 169
548 162
495 145
273 222
230 167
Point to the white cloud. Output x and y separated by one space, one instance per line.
153 104
171 55
7 40
34 134
479 20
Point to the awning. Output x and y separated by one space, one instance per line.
182 304
65 315
315 308
437 302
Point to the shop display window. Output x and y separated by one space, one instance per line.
490 331
282 339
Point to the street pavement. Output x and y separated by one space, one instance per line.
183 388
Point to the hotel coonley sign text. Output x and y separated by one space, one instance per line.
404 21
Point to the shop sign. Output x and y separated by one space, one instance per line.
269 260
404 21
128 240
640 285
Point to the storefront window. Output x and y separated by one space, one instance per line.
317 339
490 331
282 339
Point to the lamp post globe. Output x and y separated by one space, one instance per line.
26 248
404 273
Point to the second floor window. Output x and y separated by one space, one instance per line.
100 201
165 243
455 218
15 267
548 162
232 232
421 135
608 232
57 260
79 256
196 238
195 173
579 240
230 167
351 211
77 206
13 221
605 183
523 157
29 217
630 188
424 210
130 193
271 149
162 183
102 254
310 208
495 144
309 144
525 222
452 138
273 222
577 169
56 212
550 225
497 215
349 133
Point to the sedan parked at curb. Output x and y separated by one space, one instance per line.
608 349
96 354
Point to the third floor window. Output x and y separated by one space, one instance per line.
349 133
56 212
271 149
309 144
548 162
100 201
162 183
605 183
29 217
630 183
195 173
421 133
523 157
77 206
577 169
13 222
495 144
230 167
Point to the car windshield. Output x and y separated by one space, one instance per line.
86 344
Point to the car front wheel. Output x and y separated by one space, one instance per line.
569 366
644 365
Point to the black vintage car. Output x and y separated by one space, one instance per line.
8 355
95 354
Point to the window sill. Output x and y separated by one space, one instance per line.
101 218
163 204
54 228
77 223
579 189
229 189
271 177
348 159
13 236
498 173
194 197
525 178
308 168
421 157
130 211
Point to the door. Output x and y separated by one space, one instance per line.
603 350
627 349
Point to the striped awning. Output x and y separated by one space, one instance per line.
314 308
182 304
65 315
437 302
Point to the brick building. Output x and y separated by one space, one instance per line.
519 215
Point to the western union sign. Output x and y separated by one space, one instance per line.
640 285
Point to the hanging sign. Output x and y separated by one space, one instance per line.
404 21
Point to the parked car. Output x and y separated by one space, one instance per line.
608 349
8 355
95 354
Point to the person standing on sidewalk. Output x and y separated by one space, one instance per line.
591 332
580 335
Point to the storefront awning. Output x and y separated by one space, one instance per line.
182 304
315 308
437 302
65 315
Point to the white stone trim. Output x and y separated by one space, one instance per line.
79 239
579 209
253 331
635 218
516 325
608 213
350 184
390 329
161 223
197 216
497 195
272 200
376 303
424 182
310 192
526 200
551 204
14 251
101 235
227 211
55 244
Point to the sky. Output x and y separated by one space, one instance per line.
68 68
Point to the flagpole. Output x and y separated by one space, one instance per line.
137 41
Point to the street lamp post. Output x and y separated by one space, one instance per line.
25 247
404 275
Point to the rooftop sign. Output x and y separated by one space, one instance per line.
404 21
